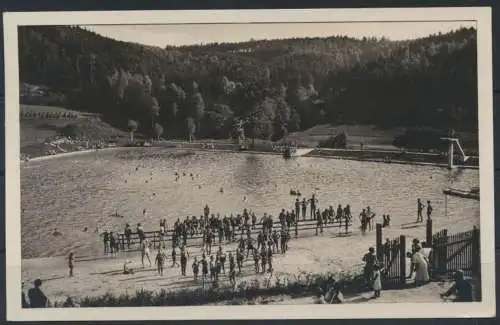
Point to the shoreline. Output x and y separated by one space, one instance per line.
367 155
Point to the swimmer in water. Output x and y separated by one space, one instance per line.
144 212
221 190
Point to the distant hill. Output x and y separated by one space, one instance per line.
277 86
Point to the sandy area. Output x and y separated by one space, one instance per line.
98 275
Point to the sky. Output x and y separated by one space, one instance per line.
188 34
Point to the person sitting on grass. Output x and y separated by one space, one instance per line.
336 296
320 297
126 269
37 297
461 288
70 302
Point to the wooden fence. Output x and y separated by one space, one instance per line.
448 253
301 229
456 251
392 256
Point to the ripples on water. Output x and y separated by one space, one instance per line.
83 191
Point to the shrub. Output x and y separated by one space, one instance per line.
245 292
338 141
421 139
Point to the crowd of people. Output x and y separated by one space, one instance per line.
258 241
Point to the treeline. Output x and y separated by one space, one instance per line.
276 86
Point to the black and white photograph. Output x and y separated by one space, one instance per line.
249 164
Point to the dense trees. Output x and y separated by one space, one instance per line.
276 86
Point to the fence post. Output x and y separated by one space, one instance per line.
402 260
476 262
379 241
428 237
476 251
443 251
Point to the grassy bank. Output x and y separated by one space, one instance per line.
40 124
245 292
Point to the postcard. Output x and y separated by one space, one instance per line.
249 164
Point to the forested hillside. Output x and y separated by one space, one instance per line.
277 86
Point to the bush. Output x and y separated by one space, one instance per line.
425 139
245 292
338 141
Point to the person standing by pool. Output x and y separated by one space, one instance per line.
313 202
340 211
222 258
195 267
112 243
297 206
260 239
140 233
370 260
275 239
263 258
256 260
145 252
319 223
213 270
270 258
347 213
429 210
105 237
254 220
239 258
204 268
128 233
420 208
160 261
184 258
377 281
304 208
421 267
71 261
284 240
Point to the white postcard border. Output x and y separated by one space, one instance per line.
482 16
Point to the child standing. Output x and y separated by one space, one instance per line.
71 260
377 282
160 260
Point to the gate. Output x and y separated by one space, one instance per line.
392 256
457 251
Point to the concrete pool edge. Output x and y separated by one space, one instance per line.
316 153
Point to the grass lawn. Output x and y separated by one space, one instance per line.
34 131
